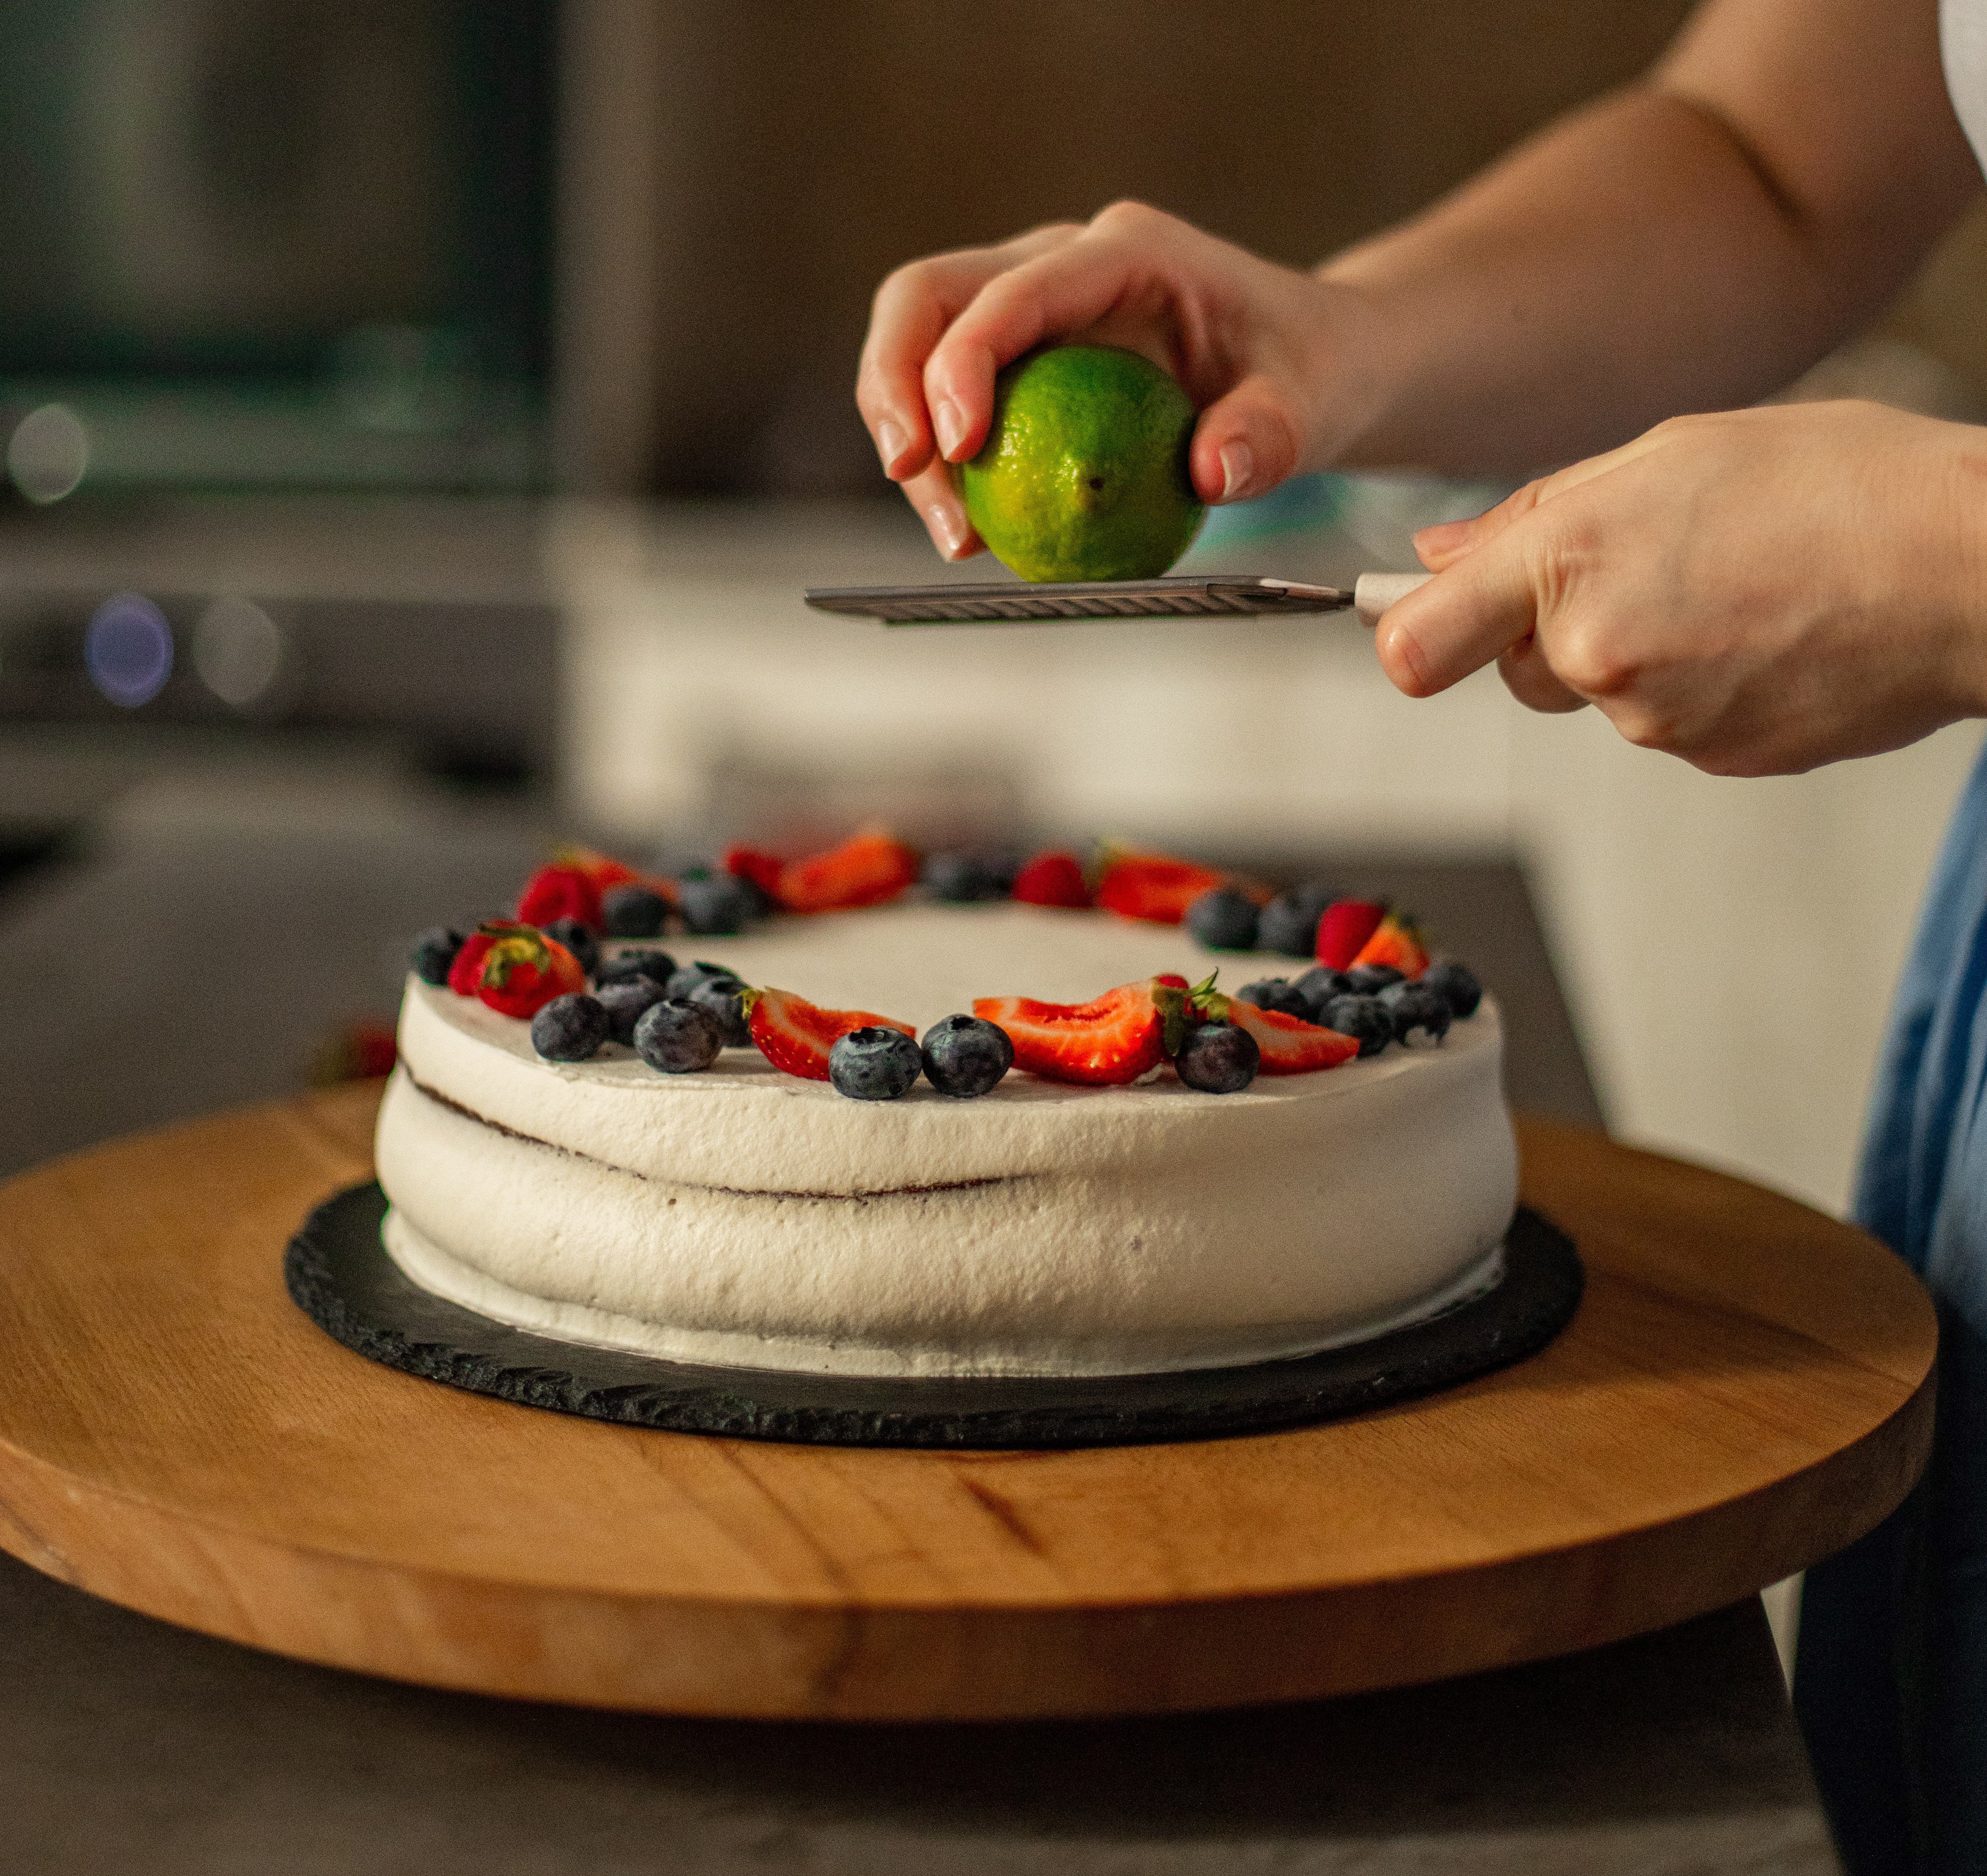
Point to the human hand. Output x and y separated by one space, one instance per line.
1758 592
1257 346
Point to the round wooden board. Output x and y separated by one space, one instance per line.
1745 1387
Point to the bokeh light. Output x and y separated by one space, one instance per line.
128 650
239 650
48 454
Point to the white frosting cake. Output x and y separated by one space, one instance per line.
744 1217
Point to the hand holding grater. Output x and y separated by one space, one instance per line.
1013 602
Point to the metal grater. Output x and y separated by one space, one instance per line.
1009 601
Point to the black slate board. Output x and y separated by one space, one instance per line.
339 1274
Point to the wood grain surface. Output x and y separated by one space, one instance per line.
1746 1388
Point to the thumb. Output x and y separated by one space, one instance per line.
1246 442
1468 616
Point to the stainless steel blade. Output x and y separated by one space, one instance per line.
1010 601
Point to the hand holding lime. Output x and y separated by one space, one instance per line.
1083 473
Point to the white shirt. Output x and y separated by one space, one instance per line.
1962 46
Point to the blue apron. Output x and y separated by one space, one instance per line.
1890 1684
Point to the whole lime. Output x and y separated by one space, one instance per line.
1083 475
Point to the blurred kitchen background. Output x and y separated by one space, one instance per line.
421 415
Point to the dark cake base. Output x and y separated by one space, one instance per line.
339 1274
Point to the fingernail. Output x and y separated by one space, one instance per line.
1238 464
950 426
948 529
892 441
1440 537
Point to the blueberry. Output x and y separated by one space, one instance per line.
577 940
624 998
1456 985
569 1028
1370 979
957 878
655 966
631 911
1003 867
686 977
1224 919
1288 922
1218 1058
1416 1011
1318 985
434 951
758 901
1363 1018
874 1064
1276 994
718 905
677 1038
722 999
966 1055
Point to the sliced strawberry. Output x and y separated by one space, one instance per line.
793 1035
1151 886
1290 1045
762 869
1052 878
515 968
561 890
865 870
1111 1040
1398 941
1344 927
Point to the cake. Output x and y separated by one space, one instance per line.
746 1217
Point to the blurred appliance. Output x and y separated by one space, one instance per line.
268 243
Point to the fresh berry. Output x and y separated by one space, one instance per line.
1419 1014
1276 994
1151 886
1052 878
1289 921
1370 979
1397 941
569 1028
631 910
1224 919
1219 1058
793 1035
578 940
965 1056
676 1038
1113 1039
603 871
657 966
874 1064
1456 985
1344 927
686 977
433 952
515 969
560 891
715 905
1288 1045
865 870
1365 1018
1318 985
761 869
723 1000
625 999
959 878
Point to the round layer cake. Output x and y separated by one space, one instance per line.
744 1217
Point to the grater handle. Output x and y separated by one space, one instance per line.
1374 592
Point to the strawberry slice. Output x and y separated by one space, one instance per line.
1052 878
515 968
1398 941
793 1035
762 869
1111 1040
1344 927
1290 1045
560 890
1151 886
866 869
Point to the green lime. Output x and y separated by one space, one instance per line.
1083 475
